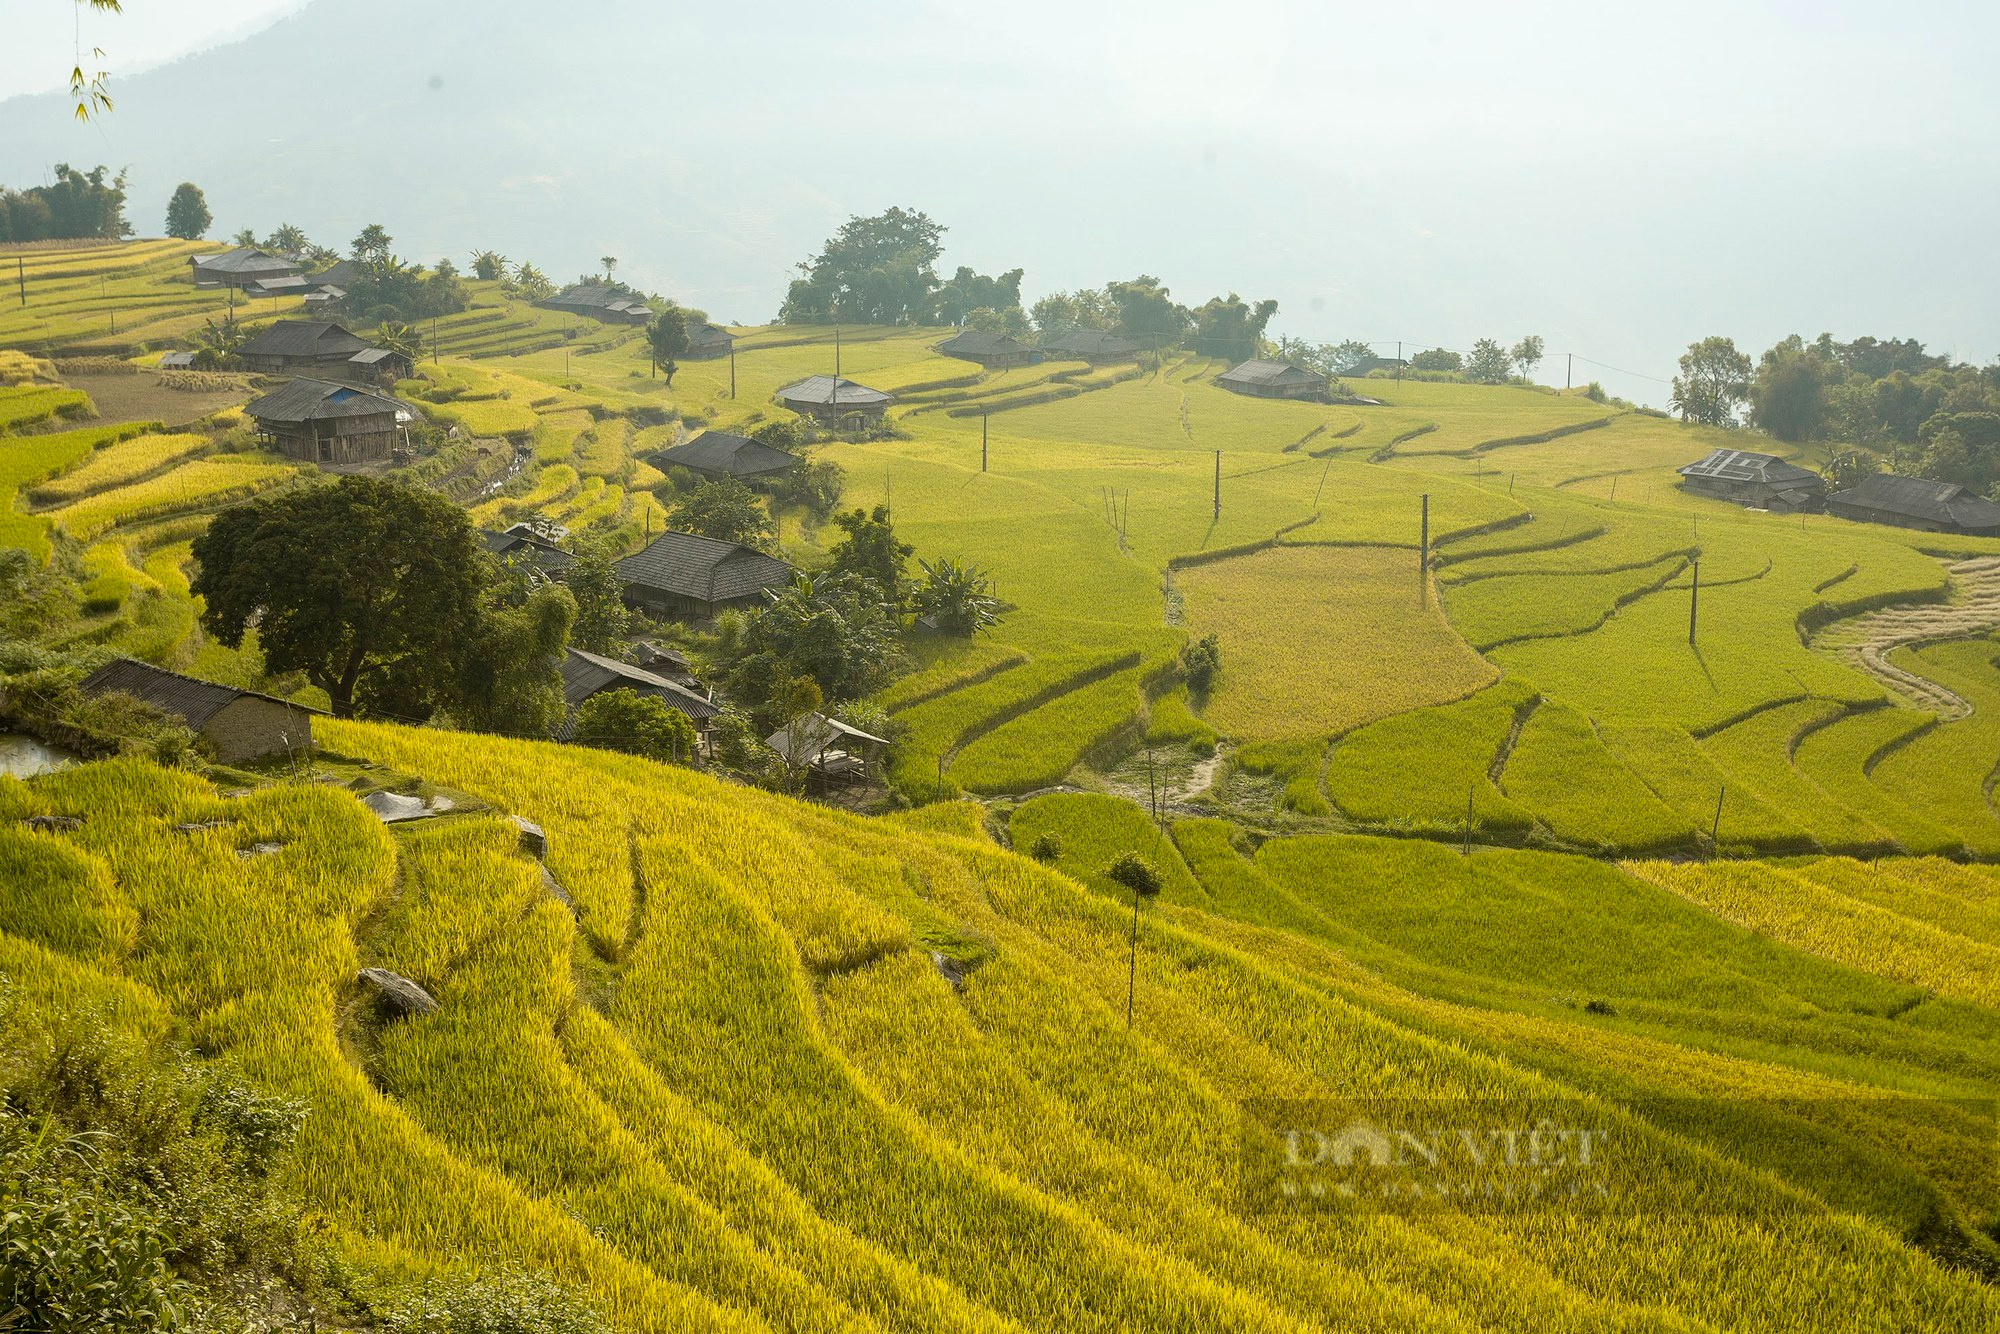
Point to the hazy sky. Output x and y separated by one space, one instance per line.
1622 179
43 35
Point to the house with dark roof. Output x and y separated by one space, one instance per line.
717 454
708 341
668 661
315 421
244 267
1273 379
587 674
830 399
520 545
341 273
1760 481
237 724
993 351
1915 502
600 301
1091 345
684 575
320 347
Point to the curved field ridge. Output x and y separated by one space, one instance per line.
1866 641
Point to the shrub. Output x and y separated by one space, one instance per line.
643 725
1201 663
511 1303
1045 848
1136 874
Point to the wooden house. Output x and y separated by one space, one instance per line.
600 301
993 351
832 400
587 674
1915 502
713 455
319 347
1095 346
1273 379
316 421
686 576
521 546
1760 481
237 724
708 341
242 267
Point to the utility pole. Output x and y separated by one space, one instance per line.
1399 359
1424 555
833 397
1569 375
732 372
982 441
1218 484
21 273
1694 600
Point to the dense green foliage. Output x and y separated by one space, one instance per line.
75 204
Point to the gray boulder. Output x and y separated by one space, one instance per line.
396 993
53 824
533 841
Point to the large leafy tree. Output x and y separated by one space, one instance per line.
877 270
1527 354
369 588
373 242
871 550
509 674
1147 313
637 724
488 265
1438 359
667 338
1086 308
837 629
1714 380
289 240
1228 328
602 621
965 292
1789 395
1489 363
725 510
188 218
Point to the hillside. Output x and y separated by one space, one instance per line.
1465 824
782 1068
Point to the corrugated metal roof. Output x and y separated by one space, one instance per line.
703 334
727 455
702 568
818 391
187 698
815 734
304 400
371 355
304 338
245 259
1269 373
176 360
586 674
1740 465
1945 503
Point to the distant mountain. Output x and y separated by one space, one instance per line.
713 147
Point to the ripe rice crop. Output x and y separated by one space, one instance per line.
1561 771
1758 750
115 465
204 483
1837 759
1684 776
1318 640
1416 768
1945 773
30 405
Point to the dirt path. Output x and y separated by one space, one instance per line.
1865 642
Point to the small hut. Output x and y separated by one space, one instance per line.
238 724
685 575
993 351
588 674
242 267
1916 502
315 421
831 399
708 341
1761 481
826 749
304 347
1272 379
600 301
717 454
1095 346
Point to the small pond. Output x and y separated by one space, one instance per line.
23 757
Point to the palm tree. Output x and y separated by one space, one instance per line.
289 241
217 344
487 265
609 262
402 338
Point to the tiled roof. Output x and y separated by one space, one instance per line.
187 698
702 568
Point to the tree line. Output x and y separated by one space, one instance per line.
1868 402
76 205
